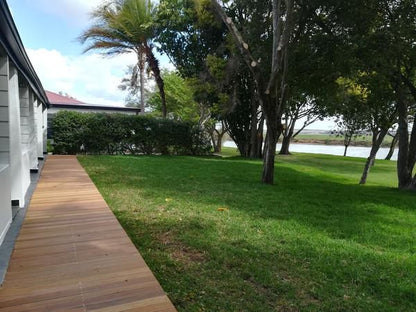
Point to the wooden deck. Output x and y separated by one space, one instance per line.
73 255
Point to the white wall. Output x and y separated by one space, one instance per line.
4 110
19 168
39 127
45 130
5 186
28 127
5 201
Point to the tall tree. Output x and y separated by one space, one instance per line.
387 47
124 26
270 79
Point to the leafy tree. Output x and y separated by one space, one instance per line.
271 85
386 46
123 26
351 111
179 98
382 114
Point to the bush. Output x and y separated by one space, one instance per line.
93 133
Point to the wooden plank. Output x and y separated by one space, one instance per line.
73 255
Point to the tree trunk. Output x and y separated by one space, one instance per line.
284 150
259 152
218 146
377 140
141 77
154 66
403 174
269 155
345 150
392 146
347 142
213 140
253 130
287 137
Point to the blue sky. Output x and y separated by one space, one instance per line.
40 27
49 31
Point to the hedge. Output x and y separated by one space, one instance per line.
94 133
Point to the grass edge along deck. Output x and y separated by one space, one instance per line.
73 255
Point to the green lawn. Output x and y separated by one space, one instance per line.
218 240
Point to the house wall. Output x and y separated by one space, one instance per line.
28 127
45 130
5 186
39 127
19 161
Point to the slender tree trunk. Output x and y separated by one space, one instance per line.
213 140
218 147
347 142
287 137
253 130
141 64
284 150
377 140
392 146
154 66
403 174
269 155
259 152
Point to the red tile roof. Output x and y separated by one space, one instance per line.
55 98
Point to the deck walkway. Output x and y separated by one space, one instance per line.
73 255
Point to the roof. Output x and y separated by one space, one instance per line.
66 101
13 46
55 98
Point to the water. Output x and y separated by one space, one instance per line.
353 151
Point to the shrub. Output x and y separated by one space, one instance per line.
120 134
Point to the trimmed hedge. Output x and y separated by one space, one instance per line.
93 133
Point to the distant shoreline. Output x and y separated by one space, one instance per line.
335 142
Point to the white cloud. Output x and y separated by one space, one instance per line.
89 78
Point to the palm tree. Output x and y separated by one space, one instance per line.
125 26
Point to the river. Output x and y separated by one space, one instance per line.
353 151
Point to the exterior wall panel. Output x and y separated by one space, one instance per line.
5 186
20 174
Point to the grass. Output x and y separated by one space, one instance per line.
218 240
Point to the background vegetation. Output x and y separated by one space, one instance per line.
92 133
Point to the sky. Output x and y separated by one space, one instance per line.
49 30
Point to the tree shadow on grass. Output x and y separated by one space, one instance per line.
378 217
345 238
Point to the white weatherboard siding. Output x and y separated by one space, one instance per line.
19 169
39 127
5 190
28 128
45 130
5 207
4 110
